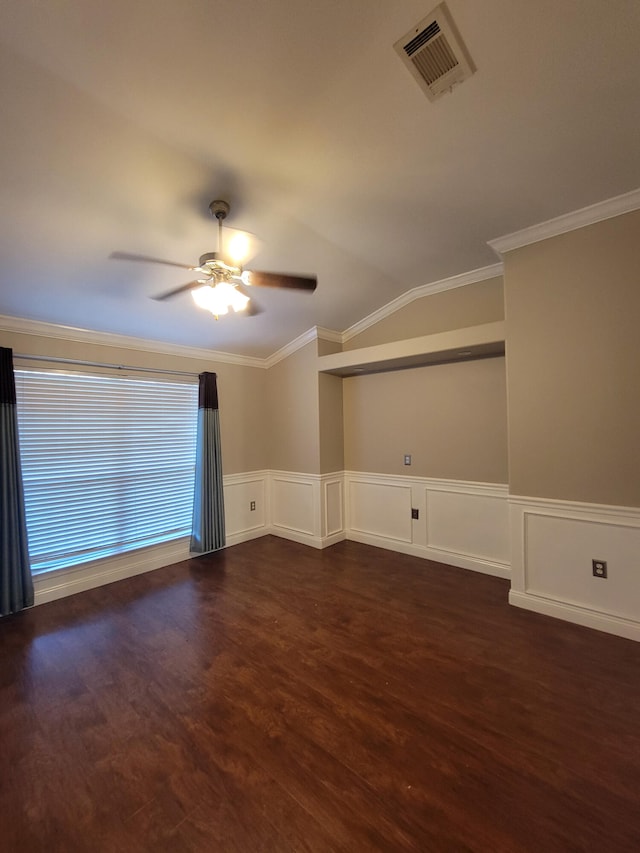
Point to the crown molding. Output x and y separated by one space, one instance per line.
460 280
86 336
329 335
294 345
315 333
607 209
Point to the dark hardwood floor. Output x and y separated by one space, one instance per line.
278 698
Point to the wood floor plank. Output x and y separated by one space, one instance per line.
274 698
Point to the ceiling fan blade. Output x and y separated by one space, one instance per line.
176 290
277 279
125 256
253 308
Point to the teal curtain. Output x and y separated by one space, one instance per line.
16 584
208 502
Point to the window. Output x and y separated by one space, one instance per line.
108 464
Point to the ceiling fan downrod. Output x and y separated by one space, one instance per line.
220 210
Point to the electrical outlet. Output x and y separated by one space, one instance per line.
415 513
599 568
252 506
407 459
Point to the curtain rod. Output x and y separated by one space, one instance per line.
79 363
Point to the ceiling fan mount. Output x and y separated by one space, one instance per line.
220 209
221 278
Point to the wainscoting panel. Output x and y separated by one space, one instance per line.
471 524
382 509
307 508
294 505
240 492
554 543
459 523
462 523
333 506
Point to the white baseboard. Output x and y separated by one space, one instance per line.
246 536
53 585
318 542
461 561
578 615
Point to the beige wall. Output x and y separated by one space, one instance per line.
451 418
241 389
573 355
459 308
293 409
331 424
331 415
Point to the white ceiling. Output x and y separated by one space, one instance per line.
122 120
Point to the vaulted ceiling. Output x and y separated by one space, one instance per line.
121 121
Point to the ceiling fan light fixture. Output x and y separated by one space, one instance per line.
219 298
222 277
238 248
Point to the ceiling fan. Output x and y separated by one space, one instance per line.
221 280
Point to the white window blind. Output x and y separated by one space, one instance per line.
107 463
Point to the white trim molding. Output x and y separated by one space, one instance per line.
460 280
307 508
461 523
41 329
293 346
553 545
50 586
544 546
246 506
607 209
328 335
111 339
314 334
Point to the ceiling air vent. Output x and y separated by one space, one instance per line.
434 53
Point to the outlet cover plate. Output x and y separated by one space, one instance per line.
599 568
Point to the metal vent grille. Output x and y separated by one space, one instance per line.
434 53
435 62
422 38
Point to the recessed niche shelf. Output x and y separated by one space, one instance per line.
468 344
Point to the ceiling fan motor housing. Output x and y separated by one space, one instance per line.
208 258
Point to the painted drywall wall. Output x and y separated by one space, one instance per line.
241 389
292 414
331 415
331 423
451 418
471 305
573 359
